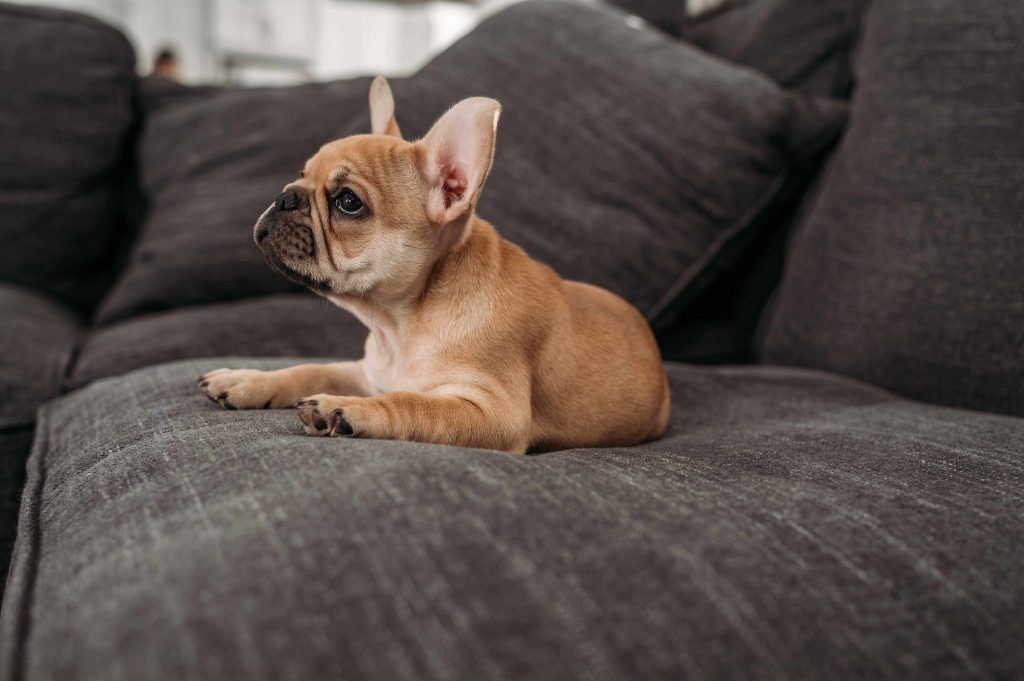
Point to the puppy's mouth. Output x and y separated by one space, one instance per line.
314 285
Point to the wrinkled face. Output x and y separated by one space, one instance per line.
371 213
354 222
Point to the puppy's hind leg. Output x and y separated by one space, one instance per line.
281 389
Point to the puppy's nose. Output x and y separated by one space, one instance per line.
288 200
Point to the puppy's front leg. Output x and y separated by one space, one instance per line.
420 417
253 389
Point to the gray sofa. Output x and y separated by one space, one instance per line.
817 204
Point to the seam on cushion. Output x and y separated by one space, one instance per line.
70 364
16 621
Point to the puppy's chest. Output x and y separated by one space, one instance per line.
388 369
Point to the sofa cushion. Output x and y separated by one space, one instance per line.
803 45
806 45
908 269
67 83
15 444
286 324
644 176
790 525
37 339
662 14
208 165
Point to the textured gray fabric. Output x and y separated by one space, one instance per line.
37 338
791 525
908 270
15 443
663 14
209 166
65 118
625 159
290 324
804 45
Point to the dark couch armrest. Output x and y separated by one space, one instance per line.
37 339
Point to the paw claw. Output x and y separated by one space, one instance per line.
341 425
314 416
238 388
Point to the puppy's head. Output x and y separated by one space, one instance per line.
371 213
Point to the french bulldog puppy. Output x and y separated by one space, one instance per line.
471 342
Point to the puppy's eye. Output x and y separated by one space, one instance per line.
348 203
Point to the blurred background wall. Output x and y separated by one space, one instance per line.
269 42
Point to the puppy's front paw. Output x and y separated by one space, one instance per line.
325 415
240 389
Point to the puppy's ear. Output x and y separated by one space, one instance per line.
456 156
382 109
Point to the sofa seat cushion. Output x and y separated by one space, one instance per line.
283 325
625 159
791 525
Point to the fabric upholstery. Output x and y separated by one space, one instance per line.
37 339
805 45
209 166
15 443
908 271
643 177
67 115
662 14
791 525
289 324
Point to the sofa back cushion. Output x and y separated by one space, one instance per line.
209 165
909 269
662 14
628 160
65 118
804 45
